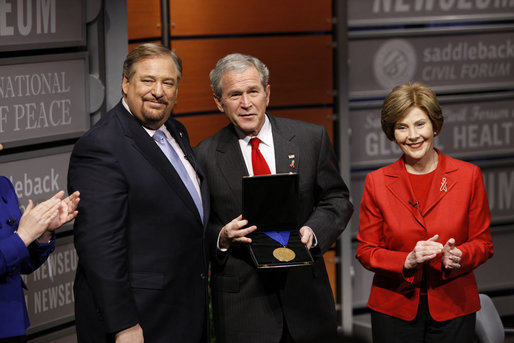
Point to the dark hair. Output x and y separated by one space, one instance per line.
149 50
404 97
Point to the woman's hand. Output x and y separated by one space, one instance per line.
35 220
423 251
67 211
451 255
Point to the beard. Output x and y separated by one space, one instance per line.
152 114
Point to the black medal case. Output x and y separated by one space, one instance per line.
271 203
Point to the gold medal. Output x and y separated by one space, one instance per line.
284 254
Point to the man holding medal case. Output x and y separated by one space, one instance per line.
250 304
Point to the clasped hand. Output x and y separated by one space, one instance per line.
429 249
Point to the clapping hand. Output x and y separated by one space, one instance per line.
67 211
38 222
451 255
423 251
35 219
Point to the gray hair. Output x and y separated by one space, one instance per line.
149 50
240 63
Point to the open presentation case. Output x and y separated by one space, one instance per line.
271 203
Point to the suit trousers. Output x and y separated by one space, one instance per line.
286 335
423 329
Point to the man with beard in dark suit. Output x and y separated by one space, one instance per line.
140 234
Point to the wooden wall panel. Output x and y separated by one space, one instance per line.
143 19
214 17
330 263
200 127
203 126
300 68
320 116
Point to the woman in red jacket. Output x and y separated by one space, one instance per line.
423 228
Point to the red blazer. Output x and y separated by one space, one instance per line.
389 228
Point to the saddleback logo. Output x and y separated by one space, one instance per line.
395 63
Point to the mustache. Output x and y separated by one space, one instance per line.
160 101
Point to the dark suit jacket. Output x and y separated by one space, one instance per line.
250 305
15 259
389 228
138 235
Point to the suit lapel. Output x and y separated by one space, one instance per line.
183 141
442 183
229 158
287 154
153 154
398 184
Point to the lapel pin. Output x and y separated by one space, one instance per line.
443 185
291 157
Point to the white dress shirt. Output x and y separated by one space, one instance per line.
266 147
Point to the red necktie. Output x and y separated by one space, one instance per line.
260 167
